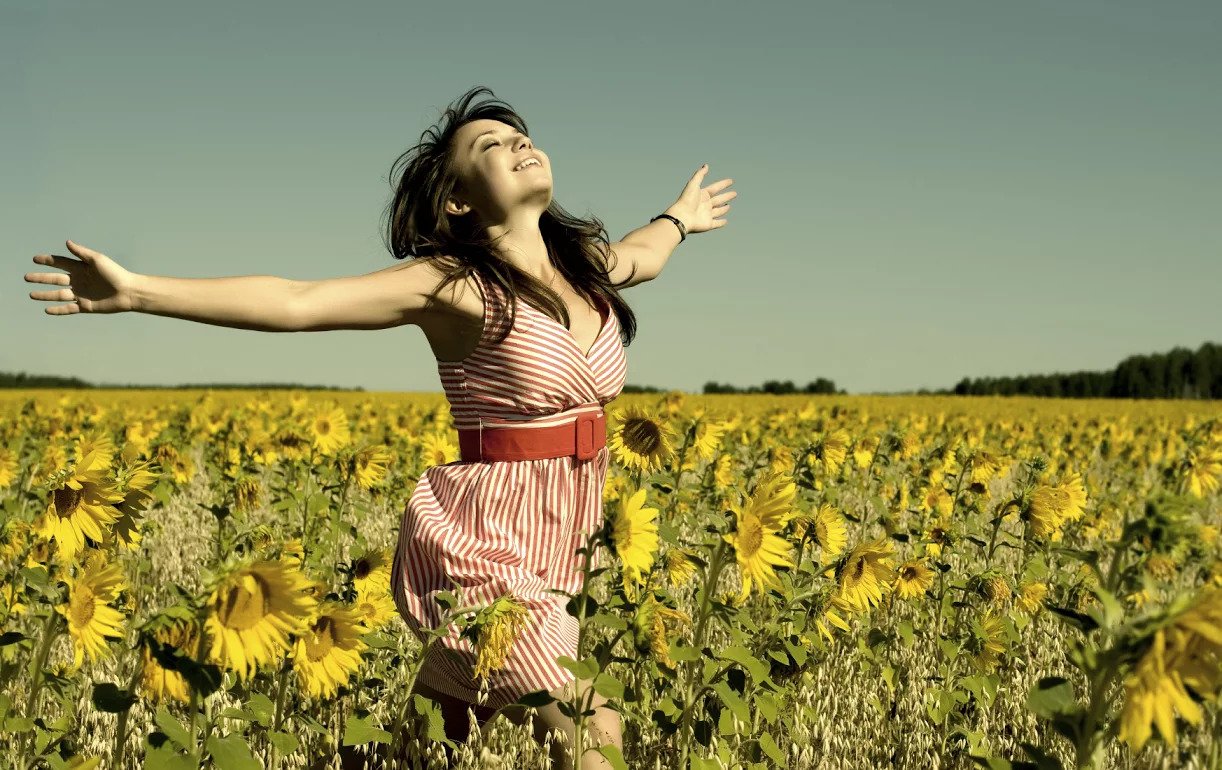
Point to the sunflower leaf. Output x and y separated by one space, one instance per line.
614 756
109 698
231 753
360 730
742 656
172 729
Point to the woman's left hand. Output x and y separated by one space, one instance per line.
698 208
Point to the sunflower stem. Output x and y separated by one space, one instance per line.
121 729
48 636
277 713
698 642
339 515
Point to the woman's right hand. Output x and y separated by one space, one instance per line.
95 283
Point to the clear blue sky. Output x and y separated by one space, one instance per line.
926 190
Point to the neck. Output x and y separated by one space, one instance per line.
520 242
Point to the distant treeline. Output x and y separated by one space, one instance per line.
821 385
1180 373
23 380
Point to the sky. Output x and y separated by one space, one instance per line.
926 191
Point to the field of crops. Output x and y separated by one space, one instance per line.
203 579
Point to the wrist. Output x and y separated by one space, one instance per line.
137 292
677 223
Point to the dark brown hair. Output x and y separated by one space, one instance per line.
419 227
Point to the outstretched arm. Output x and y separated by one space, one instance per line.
95 283
648 248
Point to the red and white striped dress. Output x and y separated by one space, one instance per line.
494 527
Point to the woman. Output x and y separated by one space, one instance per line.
526 384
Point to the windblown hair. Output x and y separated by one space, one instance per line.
419 227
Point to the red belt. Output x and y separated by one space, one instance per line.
582 438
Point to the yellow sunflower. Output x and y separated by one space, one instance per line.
634 536
987 641
708 439
329 430
158 683
756 546
375 609
913 579
1185 652
865 574
92 623
252 609
328 650
640 442
371 464
82 505
371 571
436 448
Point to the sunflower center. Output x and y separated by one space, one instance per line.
82 606
908 573
643 436
323 427
322 640
66 501
751 537
245 604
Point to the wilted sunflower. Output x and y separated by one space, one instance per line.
679 566
252 609
8 467
829 452
653 625
329 430
865 574
912 579
634 536
1031 597
92 623
496 627
756 545
135 483
1184 652
82 505
370 465
158 683
935 537
1201 471
371 571
831 614
328 650
826 527
987 641
640 443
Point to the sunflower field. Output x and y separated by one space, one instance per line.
203 579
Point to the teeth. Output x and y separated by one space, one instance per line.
526 163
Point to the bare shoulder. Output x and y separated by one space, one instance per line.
417 282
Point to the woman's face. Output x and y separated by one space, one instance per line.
486 153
